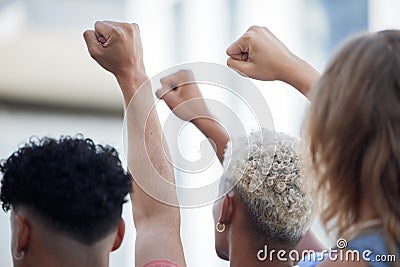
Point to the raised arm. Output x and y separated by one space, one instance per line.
259 54
117 48
183 97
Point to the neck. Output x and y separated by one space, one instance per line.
367 212
56 250
46 259
243 253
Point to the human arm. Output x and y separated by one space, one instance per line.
259 54
183 97
118 49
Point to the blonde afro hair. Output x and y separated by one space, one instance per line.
265 170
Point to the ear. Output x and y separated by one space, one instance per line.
120 235
227 209
22 233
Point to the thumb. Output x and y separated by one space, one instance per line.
92 42
239 65
169 96
238 47
160 93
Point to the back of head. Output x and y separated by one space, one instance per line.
353 130
75 187
265 169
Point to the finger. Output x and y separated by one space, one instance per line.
178 79
239 65
128 26
113 23
91 42
236 56
238 48
242 56
101 40
103 29
168 96
162 92
167 82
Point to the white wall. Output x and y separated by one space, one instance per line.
383 14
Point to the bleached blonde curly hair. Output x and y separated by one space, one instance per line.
265 170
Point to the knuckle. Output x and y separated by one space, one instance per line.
135 26
163 80
185 73
118 31
97 24
247 37
253 28
266 30
86 33
128 27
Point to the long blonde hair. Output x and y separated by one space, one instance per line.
353 132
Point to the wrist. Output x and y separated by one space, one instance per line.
204 124
205 117
130 82
300 74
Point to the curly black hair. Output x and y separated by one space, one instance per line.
73 185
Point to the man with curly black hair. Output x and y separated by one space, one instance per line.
66 199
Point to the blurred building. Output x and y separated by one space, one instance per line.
49 85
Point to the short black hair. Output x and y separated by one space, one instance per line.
74 185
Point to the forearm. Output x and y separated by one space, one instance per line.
130 83
147 159
214 131
300 75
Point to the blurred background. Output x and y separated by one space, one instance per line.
50 86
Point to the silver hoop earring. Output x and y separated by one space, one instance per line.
20 256
220 227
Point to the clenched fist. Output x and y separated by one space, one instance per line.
117 47
260 55
182 95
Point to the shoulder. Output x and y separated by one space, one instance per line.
161 263
331 263
324 259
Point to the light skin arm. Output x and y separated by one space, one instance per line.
117 48
215 132
259 54
184 98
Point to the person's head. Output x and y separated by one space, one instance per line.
66 199
266 202
353 132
